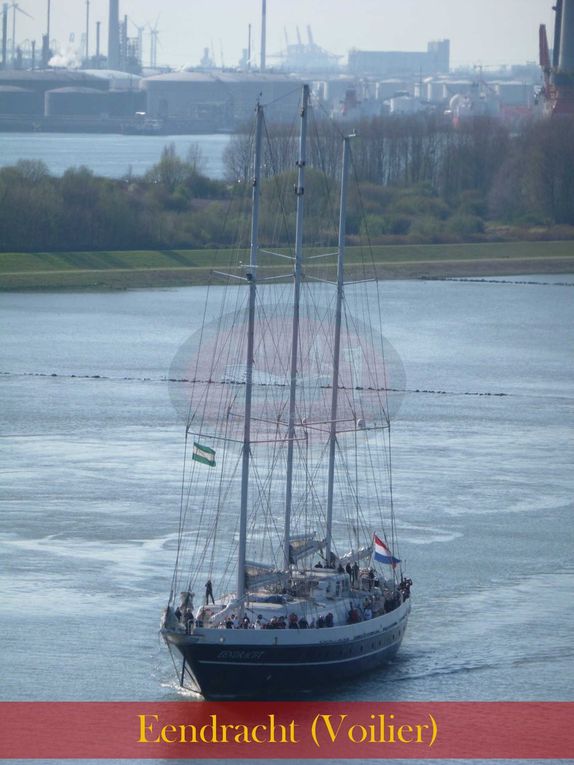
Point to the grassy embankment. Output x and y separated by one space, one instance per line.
124 270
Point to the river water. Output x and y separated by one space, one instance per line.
111 156
483 476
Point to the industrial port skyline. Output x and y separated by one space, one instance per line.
485 33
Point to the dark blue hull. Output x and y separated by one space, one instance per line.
254 670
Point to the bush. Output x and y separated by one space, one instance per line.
416 205
472 203
426 229
465 225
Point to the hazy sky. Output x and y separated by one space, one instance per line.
488 32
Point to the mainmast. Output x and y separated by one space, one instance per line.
252 279
337 346
299 190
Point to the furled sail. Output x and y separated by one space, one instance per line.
259 574
356 555
303 546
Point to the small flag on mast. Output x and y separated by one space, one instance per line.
203 454
382 552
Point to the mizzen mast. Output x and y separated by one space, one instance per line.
337 346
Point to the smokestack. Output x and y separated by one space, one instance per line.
124 43
263 32
114 35
87 30
566 58
557 31
45 51
4 35
98 25
249 48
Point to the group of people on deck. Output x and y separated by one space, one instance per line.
357 612
294 622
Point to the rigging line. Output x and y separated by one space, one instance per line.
205 304
184 508
275 455
242 196
283 96
214 494
394 537
374 383
261 492
182 516
373 266
311 476
369 384
204 510
306 524
352 488
374 477
180 527
275 179
218 350
204 535
216 522
200 525
199 355
331 121
265 321
330 204
222 501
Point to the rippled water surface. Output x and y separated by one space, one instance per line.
483 476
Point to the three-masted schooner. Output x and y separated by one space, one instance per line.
290 475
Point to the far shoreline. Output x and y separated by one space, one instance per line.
170 269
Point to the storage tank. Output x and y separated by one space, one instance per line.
183 95
20 101
77 102
405 105
388 88
279 91
126 103
337 87
114 79
452 87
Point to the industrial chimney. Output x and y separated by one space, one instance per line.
114 35
263 32
566 58
4 34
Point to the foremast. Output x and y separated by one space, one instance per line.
252 280
299 191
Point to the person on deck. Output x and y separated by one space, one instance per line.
209 592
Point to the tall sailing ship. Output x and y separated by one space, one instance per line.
287 575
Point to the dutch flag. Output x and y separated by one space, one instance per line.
382 553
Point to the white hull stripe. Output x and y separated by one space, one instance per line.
288 664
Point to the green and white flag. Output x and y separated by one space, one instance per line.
203 454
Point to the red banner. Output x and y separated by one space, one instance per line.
361 730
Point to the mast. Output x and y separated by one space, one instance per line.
299 190
252 280
337 346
